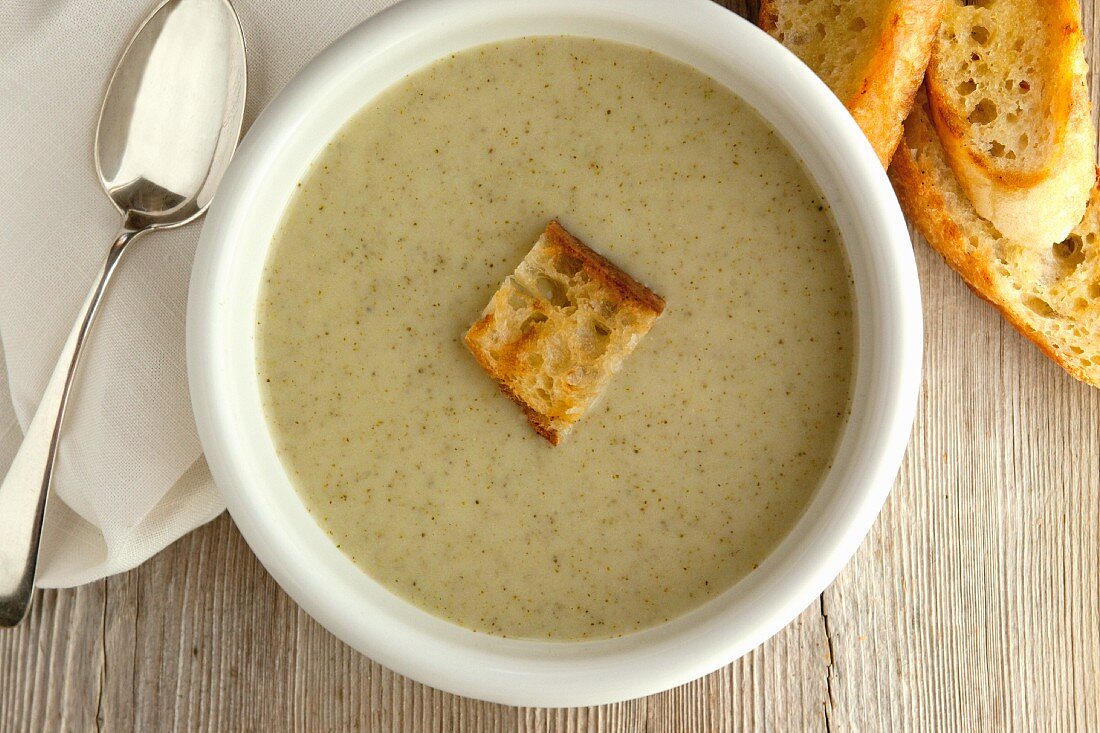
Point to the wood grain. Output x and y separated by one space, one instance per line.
974 604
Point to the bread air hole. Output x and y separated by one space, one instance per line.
1070 253
520 297
980 34
599 337
552 291
568 266
997 150
967 87
1094 290
858 24
1040 306
531 321
984 112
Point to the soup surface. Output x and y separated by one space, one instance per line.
707 446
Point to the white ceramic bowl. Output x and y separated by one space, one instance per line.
225 392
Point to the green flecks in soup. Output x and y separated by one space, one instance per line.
705 449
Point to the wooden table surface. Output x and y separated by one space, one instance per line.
974 603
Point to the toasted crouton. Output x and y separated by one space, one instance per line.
1008 97
559 328
1051 294
871 53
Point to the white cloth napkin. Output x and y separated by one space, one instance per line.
131 478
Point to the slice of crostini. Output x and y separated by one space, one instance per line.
871 53
1008 96
1051 294
559 328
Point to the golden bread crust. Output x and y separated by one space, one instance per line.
559 328
599 268
1050 294
878 87
1008 96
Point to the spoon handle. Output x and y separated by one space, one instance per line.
25 488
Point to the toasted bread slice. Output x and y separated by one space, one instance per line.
1051 294
871 53
1008 96
559 328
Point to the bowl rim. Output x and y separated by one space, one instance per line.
438 653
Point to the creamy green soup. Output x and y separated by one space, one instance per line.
706 448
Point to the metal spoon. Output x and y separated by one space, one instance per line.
169 124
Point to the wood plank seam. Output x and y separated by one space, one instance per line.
827 704
103 666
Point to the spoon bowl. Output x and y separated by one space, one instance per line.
172 113
169 124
